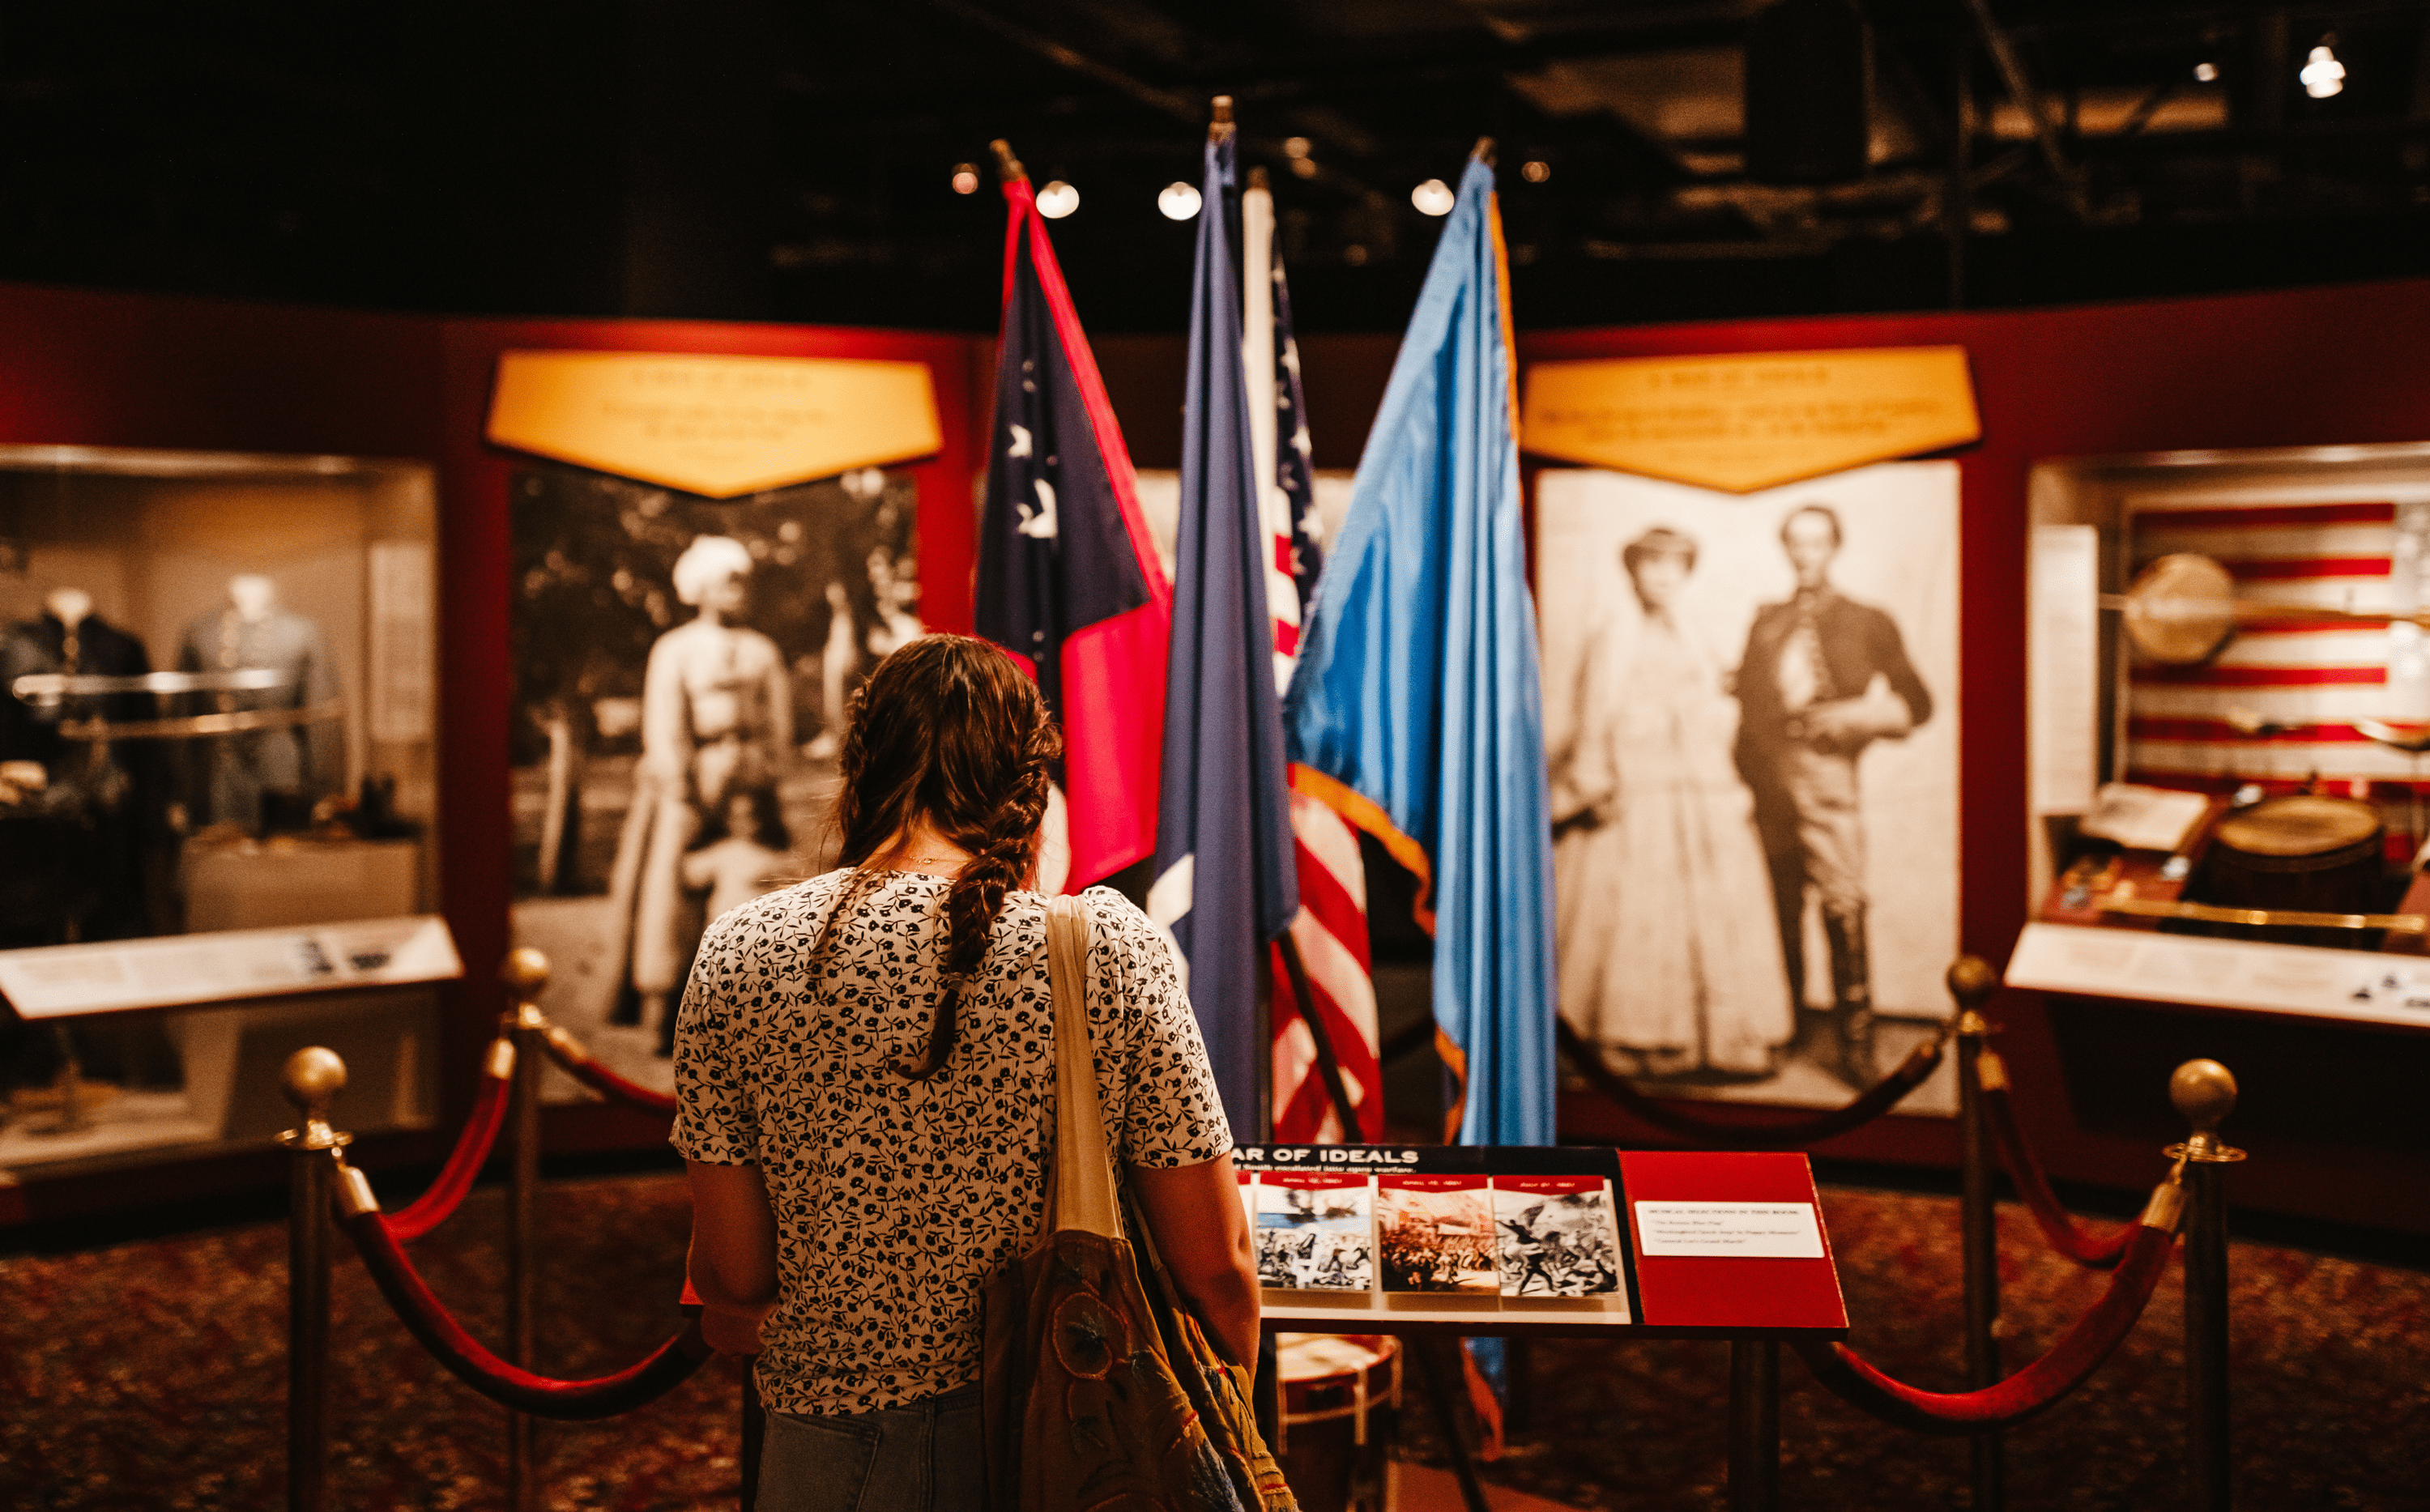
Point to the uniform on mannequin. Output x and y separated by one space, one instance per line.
67 637
77 847
267 778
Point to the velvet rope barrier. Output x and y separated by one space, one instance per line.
664 1369
472 1152
2034 1389
1871 1103
2059 1226
570 1054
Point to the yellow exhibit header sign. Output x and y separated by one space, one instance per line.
715 426
1750 421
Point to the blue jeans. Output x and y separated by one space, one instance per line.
923 1456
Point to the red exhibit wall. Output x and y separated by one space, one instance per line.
2314 367
2322 366
476 599
85 369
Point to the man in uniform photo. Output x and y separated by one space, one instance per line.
1823 678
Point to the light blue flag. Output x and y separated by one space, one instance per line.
1416 706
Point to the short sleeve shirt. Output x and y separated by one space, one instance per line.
895 1200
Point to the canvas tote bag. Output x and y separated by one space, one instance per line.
1098 1396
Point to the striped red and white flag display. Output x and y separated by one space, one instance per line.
1331 932
1331 928
2277 705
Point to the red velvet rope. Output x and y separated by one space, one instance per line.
464 1162
1871 1103
578 1065
662 1370
2078 1353
2059 1226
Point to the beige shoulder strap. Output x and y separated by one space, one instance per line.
1084 1172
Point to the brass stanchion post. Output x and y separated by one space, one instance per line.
1754 1424
2204 1093
525 973
1971 982
312 1077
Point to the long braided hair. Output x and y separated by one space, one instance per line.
949 729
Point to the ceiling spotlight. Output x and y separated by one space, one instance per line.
1296 146
966 178
1354 255
1535 169
2206 71
1178 202
1432 197
2322 74
1057 200
1304 167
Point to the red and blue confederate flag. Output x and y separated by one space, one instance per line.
1068 576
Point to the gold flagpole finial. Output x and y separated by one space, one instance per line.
1007 167
1484 152
1220 126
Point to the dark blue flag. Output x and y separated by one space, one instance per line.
1223 883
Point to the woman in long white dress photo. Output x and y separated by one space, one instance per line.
1668 963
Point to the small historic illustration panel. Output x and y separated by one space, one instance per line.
1316 1231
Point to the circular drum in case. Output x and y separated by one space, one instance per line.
2304 851
1331 1452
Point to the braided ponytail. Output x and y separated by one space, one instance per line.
945 730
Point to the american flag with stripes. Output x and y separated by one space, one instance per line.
1331 928
2278 705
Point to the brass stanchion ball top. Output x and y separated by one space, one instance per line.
2204 1093
526 973
312 1077
1972 981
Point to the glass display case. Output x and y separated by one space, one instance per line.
218 710
2229 694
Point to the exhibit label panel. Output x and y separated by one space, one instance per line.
1726 1239
1512 1238
1746 422
717 426
63 981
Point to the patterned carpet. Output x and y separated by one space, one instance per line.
152 1375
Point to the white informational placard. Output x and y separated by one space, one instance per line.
180 970
404 674
2144 819
1756 1231
2063 666
2223 973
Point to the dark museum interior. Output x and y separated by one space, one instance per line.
1691 681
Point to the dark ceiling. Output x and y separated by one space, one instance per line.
742 158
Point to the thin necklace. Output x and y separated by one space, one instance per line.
936 860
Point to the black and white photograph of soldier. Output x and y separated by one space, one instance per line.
682 666
1823 678
1749 720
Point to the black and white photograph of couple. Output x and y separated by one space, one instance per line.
1750 717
